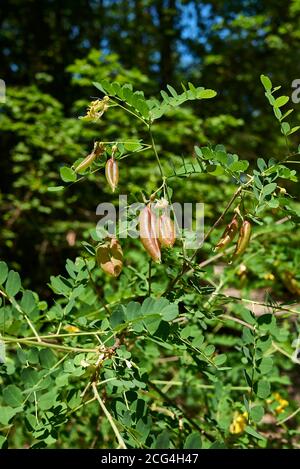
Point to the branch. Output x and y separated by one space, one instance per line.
109 417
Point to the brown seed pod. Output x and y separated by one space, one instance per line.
86 162
109 256
148 233
228 235
166 231
97 151
112 173
244 238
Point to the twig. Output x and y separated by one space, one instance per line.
280 422
19 309
109 417
40 343
149 278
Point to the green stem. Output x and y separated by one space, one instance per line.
200 386
156 156
130 112
280 422
149 278
109 417
19 309
47 345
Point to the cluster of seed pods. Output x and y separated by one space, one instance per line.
156 232
229 234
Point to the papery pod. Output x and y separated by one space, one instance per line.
166 231
243 239
148 233
97 151
228 235
86 162
112 173
109 256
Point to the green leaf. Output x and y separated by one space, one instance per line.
281 101
193 441
47 400
172 91
247 315
261 164
30 377
6 413
206 94
13 283
254 433
47 358
266 82
170 312
257 413
117 316
285 128
28 302
269 188
55 188
221 156
277 113
287 114
99 87
262 388
12 395
238 166
266 365
220 359
132 146
142 108
3 441
163 440
165 96
3 272
67 174
247 378
293 130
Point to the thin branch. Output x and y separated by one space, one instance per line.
19 309
40 343
280 422
109 417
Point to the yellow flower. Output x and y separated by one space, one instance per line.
70 328
282 403
239 423
269 276
96 109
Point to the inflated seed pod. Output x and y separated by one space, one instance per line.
112 173
228 235
148 233
243 239
109 256
166 231
86 162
